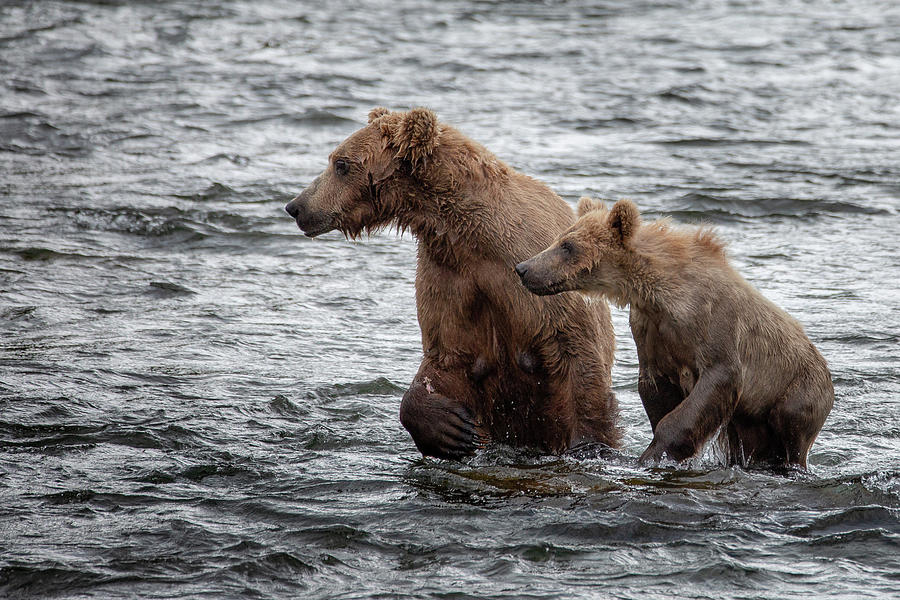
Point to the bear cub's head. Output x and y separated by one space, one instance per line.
590 257
348 194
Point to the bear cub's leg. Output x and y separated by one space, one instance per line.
800 415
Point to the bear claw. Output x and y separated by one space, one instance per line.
439 426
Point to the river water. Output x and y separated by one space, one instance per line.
196 401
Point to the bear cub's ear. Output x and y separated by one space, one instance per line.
586 205
624 219
416 135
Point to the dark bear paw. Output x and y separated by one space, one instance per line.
439 426
677 450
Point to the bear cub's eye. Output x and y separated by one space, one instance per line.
568 248
341 166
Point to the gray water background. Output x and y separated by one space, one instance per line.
198 402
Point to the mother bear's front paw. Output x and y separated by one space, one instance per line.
439 426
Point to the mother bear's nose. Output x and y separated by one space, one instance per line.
292 209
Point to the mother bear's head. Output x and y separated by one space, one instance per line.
359 190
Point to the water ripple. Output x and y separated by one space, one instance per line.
196 401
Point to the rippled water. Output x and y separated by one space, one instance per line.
197 401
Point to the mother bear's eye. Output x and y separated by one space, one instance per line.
341 166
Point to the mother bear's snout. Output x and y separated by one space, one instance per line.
293 207
310 218
299 206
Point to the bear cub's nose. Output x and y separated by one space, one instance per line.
521 269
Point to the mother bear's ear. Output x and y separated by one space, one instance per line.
377 112
415 135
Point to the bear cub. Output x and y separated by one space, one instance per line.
715 356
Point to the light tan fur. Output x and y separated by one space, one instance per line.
716 357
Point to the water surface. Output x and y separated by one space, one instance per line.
197 401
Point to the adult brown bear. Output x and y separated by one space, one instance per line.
499 363
715 355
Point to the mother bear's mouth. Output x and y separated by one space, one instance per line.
314 229
311 222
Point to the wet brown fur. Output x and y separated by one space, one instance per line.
716 357
530 371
